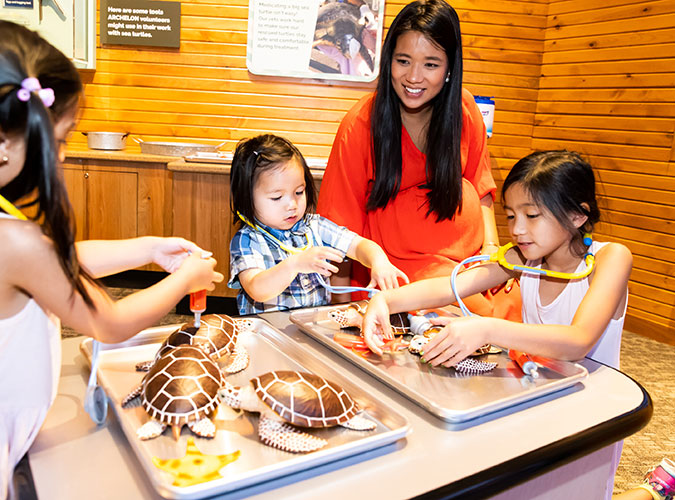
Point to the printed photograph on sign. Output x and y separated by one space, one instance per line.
328 39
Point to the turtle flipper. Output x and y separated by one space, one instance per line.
144 366
244 324
359 423
133 398
347 318
470 366
203 428
286 437
238 359
150 429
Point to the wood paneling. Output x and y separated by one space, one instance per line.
590 75
607 90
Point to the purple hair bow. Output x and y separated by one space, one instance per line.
33 85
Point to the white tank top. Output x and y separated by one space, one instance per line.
561 311
30 365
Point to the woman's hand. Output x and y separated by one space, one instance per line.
169 253
385 275
376 325
317 260
457 340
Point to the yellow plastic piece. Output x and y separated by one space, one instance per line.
195 467
499 256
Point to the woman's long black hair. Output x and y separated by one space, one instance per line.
25 54
437 21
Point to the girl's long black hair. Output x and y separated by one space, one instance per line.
437 21
25 54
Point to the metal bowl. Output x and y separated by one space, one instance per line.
111 141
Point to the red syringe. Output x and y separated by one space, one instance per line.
198 299
525 362
198 305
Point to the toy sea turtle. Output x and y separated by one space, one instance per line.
301 399
424 331
180 389
353 317
218 335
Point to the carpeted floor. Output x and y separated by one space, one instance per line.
646 361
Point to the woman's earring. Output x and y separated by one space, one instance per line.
447 78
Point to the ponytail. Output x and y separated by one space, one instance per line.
39 183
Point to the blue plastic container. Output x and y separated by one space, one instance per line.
487 109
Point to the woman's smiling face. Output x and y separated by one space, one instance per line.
419 68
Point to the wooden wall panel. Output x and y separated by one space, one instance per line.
591 75
203 92
606 89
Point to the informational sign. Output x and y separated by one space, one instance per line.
140 22
25 4
329 39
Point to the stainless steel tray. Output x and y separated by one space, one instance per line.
444 392
269 350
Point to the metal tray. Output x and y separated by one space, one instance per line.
444 392
269 350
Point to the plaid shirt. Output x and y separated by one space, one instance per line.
251 249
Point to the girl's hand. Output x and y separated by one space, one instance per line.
376 325
169 253
317 260
457 340
200 272
385 276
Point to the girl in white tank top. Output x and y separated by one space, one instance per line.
551 209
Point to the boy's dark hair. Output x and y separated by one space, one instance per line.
437 21
254 156
562 182
23 54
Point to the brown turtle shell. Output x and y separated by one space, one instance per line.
182 386
217 335
305 399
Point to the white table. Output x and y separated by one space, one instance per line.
556 448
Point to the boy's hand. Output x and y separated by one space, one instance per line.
385 276
317 260
458 339
376 325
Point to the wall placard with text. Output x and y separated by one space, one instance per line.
140 22
329 39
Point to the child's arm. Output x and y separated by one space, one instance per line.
604 300
32 269
425 294
382 272
106 257
264 284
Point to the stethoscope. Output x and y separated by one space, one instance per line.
95 399
500 257
297 250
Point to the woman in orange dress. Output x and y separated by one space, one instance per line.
409 168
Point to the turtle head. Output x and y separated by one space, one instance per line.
230 395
